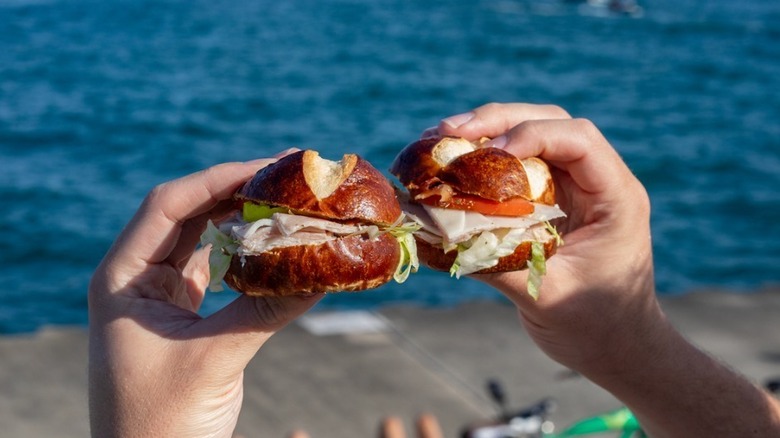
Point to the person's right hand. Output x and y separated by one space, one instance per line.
598 313
598 291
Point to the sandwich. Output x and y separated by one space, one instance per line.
309 225
480 209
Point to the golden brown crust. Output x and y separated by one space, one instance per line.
489 173
414 165
365 195
486 172
351 263
436 258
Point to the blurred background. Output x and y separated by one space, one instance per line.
102 100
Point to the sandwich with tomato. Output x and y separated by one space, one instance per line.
307 225
480 209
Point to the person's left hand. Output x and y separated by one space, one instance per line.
157 368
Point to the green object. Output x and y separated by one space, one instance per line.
222 249
554 231
254 212
618 420
408 263
537 267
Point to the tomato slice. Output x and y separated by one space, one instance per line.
512 207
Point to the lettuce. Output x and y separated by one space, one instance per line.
455 268
537 267
252 212
554 231
484 250
408 261
222 249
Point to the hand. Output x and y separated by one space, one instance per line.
156 367
604 271
597 311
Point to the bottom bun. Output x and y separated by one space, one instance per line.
435 257
351 263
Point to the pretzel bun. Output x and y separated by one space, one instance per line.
452 166
349 191
470 168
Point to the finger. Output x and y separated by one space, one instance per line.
428 427
196 277
514 285
433 131
281 154
193 228
494 119
153 233
239 329
575 146
392 427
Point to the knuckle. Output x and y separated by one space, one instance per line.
587 127
557 112
270 313
157 193
489 108
644 206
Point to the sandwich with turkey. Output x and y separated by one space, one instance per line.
480 209
307 224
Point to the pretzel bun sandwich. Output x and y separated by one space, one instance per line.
309 225
481 209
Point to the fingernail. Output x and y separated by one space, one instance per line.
433 131
458 120
498 142
286 152
260 161
310 296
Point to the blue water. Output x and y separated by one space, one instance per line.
100 101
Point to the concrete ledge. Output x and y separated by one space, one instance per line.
400 361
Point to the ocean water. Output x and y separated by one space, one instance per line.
102 100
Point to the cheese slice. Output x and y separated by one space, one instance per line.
456 226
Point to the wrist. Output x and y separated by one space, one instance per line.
674 388
627 346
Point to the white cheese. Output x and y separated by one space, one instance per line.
460 225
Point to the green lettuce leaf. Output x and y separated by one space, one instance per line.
409 262
537 267
222 249
254 212
554 231
484 250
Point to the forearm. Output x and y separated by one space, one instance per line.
675 389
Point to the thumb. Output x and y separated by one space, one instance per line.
238 330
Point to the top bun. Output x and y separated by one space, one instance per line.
347 190
473 169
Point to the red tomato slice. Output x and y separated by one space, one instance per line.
512 207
